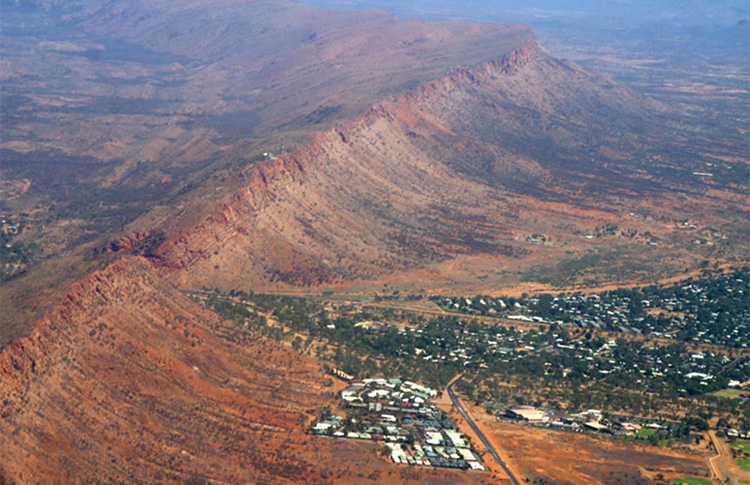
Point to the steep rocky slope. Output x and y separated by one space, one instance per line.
458 166
131 379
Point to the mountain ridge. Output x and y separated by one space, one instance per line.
163 103
294 168
426 138
479 177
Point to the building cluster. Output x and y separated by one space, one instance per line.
621 362
587 420
713 310
435 456
464 344
592 421
388 394
400 415
741 434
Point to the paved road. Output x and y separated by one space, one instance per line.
490 449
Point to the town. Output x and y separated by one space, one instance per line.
400 415
561 355
714 310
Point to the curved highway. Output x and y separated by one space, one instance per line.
490 449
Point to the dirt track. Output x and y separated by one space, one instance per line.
717 462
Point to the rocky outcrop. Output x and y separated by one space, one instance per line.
131 380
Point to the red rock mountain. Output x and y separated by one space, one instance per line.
443 145
112 110
131 379
453 168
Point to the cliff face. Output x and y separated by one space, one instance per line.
131 379
432 173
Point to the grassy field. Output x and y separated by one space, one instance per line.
690 481
728 393
646 432
743 446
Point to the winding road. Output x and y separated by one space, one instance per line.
490 449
